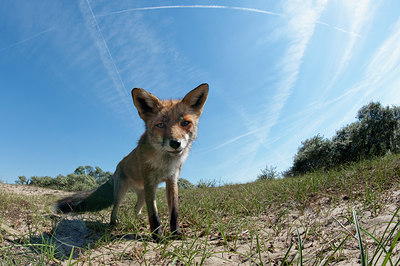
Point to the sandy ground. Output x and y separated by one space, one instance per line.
321 226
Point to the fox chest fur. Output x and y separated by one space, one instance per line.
152 165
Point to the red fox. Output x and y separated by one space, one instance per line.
171 127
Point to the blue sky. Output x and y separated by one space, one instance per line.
279 72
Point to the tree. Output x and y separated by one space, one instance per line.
89 170
346 144
80 182
375 133
80 170
101 176
314 153
396 132
21 180
97 173
376 129
83 178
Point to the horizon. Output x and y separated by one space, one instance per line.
279 73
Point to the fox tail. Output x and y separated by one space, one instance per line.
87 201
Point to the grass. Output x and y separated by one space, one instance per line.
285 222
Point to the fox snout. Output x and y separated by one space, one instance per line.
175 144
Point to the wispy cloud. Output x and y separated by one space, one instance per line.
302 19
386 59
105 54
300 29
383 69
360 12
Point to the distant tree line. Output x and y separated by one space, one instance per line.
83 178
375 133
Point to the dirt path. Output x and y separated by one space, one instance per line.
31 190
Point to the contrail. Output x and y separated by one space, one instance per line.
28 39
338 29
246 9
254 10
114 66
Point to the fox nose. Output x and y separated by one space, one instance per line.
175 144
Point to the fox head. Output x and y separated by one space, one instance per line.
171 125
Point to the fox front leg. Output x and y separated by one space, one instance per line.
120 189
172 198
154 220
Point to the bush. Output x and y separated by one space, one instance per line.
80 182
83 178
185 184
269 173
315 153
376 133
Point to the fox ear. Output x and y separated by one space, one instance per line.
197 97
146 103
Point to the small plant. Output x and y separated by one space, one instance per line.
269 173
203 183
360 244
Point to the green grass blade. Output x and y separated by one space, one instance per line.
383 241
71 256
380 246
300 248
326 259
391 248
362 254
284 260
259 250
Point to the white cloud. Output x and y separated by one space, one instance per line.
133 54
383 70
121 95
359 13
299 29
386 59
303 17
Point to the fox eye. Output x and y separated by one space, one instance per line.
185 123
160 125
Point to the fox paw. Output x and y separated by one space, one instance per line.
177 234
